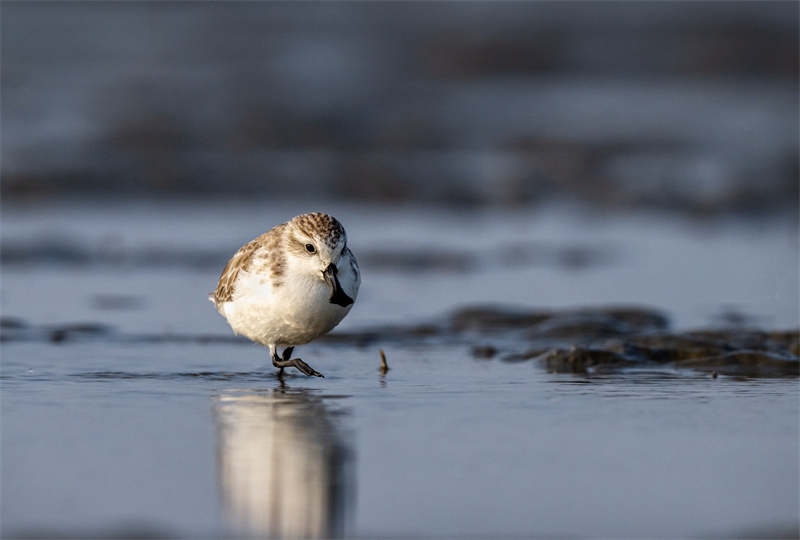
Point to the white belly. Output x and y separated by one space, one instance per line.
292 314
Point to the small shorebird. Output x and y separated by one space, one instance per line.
289 286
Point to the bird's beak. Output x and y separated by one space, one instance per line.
338 296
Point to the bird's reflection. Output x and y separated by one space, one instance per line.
283 468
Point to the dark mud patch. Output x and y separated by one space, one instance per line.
602 340
80 253
571 324
17 330
13 329
599 340
63 251
520 254
746 363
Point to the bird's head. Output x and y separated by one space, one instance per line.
317 240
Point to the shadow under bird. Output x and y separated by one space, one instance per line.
289 286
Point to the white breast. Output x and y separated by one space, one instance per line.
293 313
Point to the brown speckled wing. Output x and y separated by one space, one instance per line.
239 261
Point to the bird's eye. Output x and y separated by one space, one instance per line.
310 248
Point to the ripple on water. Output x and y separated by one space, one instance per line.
171 376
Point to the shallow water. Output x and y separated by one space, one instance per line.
159 439
152 420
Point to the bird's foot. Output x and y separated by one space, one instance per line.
305 368
286 361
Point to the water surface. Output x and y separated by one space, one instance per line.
129 409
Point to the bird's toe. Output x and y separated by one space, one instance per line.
305 368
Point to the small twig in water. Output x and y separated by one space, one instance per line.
384 365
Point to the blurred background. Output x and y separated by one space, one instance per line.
685 106
592 172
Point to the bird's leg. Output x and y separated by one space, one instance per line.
276 360
286 361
